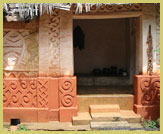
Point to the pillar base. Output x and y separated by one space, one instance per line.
147 96
148 112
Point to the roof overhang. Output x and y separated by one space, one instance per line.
23 11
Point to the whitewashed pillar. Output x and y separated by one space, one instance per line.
148 18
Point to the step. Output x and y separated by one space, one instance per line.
130 116
125 101
110 125
111 116
104 108
83 118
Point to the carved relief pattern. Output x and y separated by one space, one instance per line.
66 92
54 40
42 93
18 50
150 52
151 91
13 47
18 74
19 92
111 8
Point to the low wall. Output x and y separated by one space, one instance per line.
40 99
147 96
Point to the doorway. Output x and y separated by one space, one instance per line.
106 61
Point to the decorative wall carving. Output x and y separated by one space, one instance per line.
25 92
42 93
19 74
54 41
19 93
111 8
67 92
150 91
150 52
20 50
147 96
13 49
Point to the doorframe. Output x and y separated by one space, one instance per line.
120 15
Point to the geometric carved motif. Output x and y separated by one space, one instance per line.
54 41
18 74
42 93
13 47
19 93
20 49
150 91
67 95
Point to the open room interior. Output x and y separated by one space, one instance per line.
104 51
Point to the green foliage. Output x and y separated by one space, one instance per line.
149 124
22 128
158 122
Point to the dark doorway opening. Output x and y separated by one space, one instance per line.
106 61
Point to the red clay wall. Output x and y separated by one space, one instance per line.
147 96
39 99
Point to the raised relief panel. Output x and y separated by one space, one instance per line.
54 43
19 93
147 96
43 85
20 50
13 49
150 88
67 92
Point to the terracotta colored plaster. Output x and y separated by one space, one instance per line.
147 96
42 99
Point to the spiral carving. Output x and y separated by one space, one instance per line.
147 97
156 88
67 86
17 93
26 98
145 84
13 85
23 84
151 91
67 100
15 98
33 84
67 92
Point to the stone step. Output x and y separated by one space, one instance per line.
110 125
125 101
123 115
104 108
130 116
110 116
83 118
